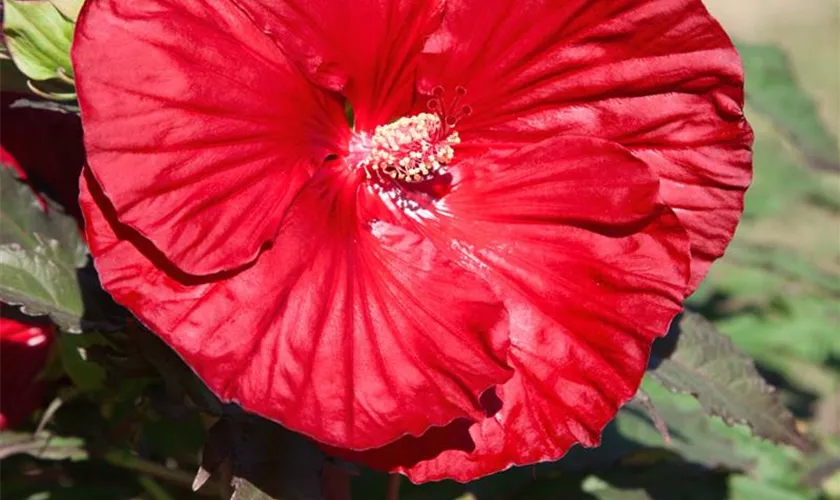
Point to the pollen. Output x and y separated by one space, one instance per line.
411 149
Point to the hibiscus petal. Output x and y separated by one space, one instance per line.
659 77
338 331
367 49
187 107
24 347
592 268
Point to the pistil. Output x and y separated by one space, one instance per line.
411 149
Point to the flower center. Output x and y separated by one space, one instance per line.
414 148
411 149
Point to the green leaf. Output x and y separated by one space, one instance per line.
38 104
44 445
827 415
691 436
40 252
39 38
85 374
632 436
69 8
779 466
788 264
697 359
780 181
747 488
773 90
822 472
799 329
178 438
244 490
610 493
671 481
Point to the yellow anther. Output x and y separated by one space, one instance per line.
412 148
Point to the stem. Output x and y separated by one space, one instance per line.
62 75
393 492
154 489
335 483
643 398
53 96
55 405
131 462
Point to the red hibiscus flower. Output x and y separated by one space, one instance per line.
526 195
24 349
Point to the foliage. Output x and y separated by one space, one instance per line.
696 359
772 89
40 252
39 38
38 35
